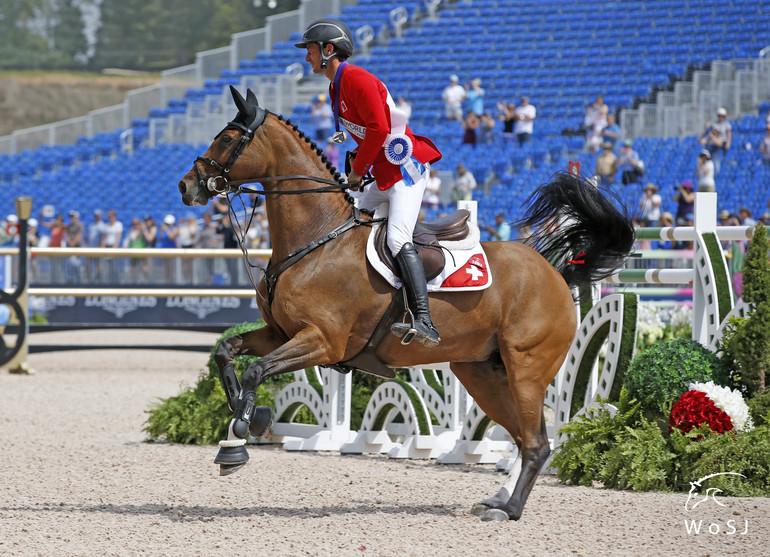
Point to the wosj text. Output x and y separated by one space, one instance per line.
729 528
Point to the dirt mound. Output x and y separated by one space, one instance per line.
32 99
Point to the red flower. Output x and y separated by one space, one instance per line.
694 409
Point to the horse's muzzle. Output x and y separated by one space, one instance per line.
191 194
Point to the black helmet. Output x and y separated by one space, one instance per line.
329 31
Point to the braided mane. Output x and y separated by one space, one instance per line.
318 152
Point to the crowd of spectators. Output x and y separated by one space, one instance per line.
213 230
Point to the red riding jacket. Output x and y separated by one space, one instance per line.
365 111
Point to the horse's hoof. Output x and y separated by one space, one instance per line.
232 455
495 515
261 422
227 469
479 509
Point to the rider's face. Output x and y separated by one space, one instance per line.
313 57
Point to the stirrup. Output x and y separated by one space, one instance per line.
419 330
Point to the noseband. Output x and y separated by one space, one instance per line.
234 186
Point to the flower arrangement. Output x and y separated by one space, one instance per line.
720 408
650 324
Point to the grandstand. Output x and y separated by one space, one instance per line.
639 55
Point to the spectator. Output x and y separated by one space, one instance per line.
113 231
230 241
470 125
606 165
75 230
405 107
96 230
611 132
33 239
113 234
149 231
717 138
10 230
464 184
501 232
629 164
486 132
94 240
332 152
168 233
321 112
209 238
475 96
705 172
765 218
764 147
507 116
135 239
744 214
187 236
666 220
168 237
594 122
649 206
685 199
430 197
453 96
525 115
74 239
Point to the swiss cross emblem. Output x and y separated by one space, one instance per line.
473 274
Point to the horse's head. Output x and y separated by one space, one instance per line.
227 157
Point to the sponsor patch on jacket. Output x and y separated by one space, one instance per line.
355 129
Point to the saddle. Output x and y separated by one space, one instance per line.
427 237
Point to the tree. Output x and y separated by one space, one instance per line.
69 38
750 343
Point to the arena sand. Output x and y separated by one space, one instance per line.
78 478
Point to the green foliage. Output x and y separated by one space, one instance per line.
625 451
759 406
746 342
580 459
640 460
658 376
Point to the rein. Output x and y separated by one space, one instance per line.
235 187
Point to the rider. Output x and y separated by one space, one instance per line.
399 160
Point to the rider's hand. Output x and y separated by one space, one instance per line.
354 180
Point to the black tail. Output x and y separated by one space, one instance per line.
578 228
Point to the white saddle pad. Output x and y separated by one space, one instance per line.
466 268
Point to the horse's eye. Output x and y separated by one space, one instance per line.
226 138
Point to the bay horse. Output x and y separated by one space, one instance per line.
505 344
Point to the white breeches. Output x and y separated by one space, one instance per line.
405 202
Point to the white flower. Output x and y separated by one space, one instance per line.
649 323
681 316
728 401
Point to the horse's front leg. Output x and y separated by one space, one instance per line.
304 350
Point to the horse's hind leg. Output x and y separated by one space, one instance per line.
529 373
521 414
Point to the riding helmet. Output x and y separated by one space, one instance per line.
329 31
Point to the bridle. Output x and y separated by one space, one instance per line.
235 186
228 187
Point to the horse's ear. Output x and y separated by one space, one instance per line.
251 98
240 102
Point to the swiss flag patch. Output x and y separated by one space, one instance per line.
473 273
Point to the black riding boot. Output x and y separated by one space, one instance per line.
413 275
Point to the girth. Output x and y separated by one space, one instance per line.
427 236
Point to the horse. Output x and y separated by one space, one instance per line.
321 300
